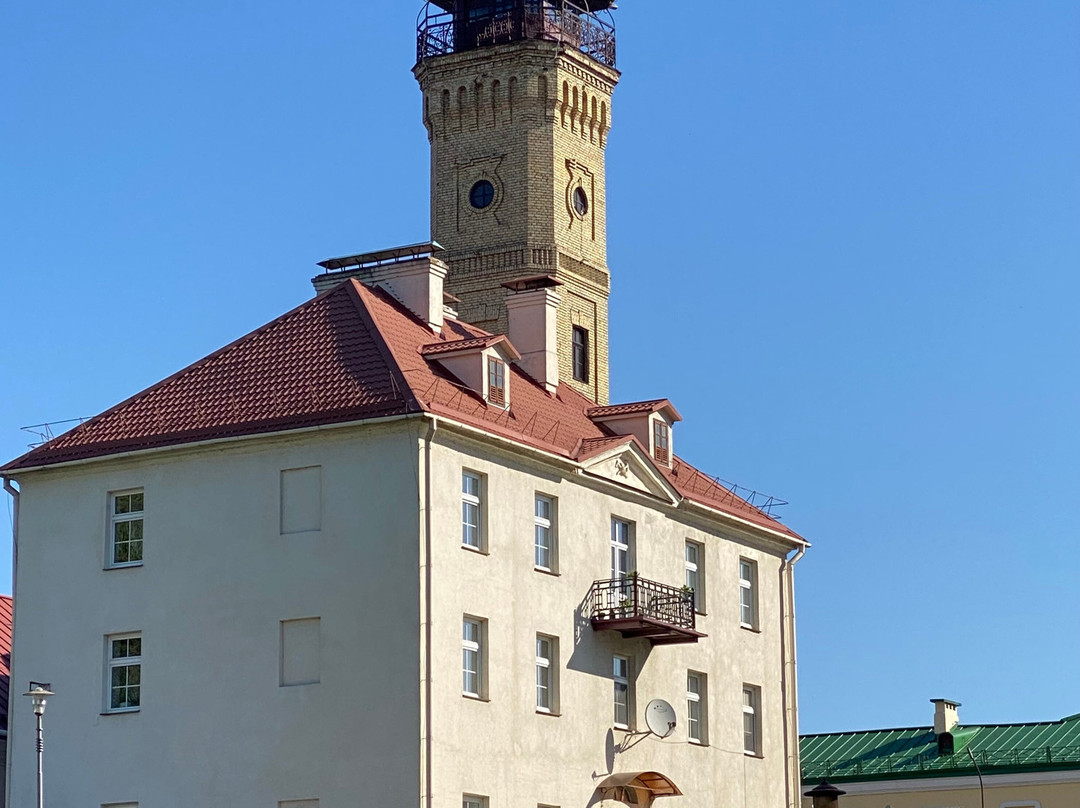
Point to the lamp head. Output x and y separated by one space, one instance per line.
38 693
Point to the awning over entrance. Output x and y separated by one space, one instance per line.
638 788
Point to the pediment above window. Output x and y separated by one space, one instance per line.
627 464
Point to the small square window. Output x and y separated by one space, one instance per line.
123 665
125 529
496 382
472 510
473 801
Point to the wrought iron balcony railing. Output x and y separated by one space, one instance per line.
637 607
439 32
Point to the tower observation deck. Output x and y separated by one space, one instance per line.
456 26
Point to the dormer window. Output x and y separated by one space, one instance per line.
661 442
496 382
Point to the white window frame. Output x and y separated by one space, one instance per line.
114 663
473 631
547 674
547 527
695 573
751 720
623 685
697 701
129 519
497 383
661 438
620 548
748 596
475 501
473 801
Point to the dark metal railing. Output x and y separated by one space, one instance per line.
637 597
439 32
1035 756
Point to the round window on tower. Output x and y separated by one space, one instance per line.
482 194
581 202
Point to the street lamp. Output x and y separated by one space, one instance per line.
38 693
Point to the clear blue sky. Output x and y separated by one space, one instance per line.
844 239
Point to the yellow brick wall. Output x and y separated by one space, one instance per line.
532 118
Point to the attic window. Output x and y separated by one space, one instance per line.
661 442
496 381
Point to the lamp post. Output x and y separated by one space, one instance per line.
38 693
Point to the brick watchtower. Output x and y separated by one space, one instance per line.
517 104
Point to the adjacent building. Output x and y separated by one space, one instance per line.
397 547
949 764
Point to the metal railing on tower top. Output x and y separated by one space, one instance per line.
441 32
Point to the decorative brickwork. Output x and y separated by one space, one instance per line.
531 118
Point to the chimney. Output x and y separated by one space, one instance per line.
413 275
945 715
532 307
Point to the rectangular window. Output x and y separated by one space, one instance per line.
661 442
747 593
547 674
301 655
621 675
473 801
621 548
581 354
472 510
696 707
544 534
126 528
472 657
751 699
695 574
301 500
496 381
124 665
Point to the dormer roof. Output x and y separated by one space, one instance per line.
475 344
661 405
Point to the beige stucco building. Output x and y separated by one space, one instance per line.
375 553
949 764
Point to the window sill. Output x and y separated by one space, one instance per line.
544 571
757 755
128 711
471 697
751 629
549 713
477 550
128 566
692 742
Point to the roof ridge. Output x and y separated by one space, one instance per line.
198 363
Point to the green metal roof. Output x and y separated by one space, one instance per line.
893 754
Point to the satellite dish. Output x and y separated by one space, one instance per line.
660 718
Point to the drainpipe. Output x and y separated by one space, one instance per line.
788 682
14 563
425 582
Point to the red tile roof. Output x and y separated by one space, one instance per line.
349 354
633 408
6 616
453 346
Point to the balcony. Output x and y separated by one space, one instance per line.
636 607
564 21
